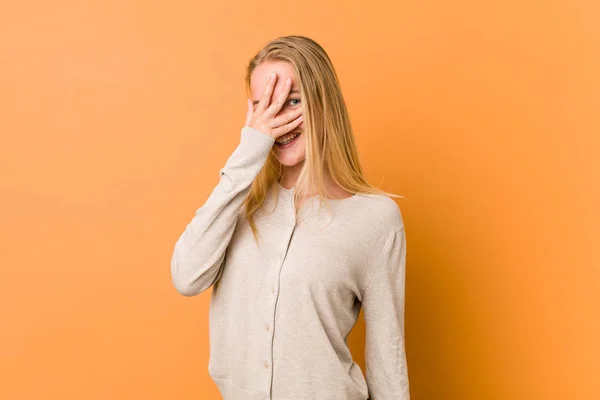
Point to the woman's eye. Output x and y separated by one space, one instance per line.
293 102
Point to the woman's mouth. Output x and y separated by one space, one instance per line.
287 140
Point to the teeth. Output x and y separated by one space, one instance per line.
287 138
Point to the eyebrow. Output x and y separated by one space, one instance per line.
293 91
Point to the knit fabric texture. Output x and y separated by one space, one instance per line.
281 309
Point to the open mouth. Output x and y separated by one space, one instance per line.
287 140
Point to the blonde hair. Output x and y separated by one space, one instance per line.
330 144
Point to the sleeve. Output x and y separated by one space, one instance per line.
383 306
200 250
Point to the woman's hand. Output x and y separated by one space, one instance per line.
263 118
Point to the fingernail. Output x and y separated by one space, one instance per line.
273 74
288 81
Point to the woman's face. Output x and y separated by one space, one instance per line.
294 153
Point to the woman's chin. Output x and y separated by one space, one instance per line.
289 160
292 155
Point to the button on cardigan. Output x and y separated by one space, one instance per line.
281 309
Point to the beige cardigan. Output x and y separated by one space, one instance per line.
281 311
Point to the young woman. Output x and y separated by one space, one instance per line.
294 241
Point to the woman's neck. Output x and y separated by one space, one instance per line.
290 177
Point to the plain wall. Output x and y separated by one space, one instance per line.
116 116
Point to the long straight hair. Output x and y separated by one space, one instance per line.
330 145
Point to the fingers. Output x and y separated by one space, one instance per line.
286 118
263 117
265 100
277 104
249 113
287 128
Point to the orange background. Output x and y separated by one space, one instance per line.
117 115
